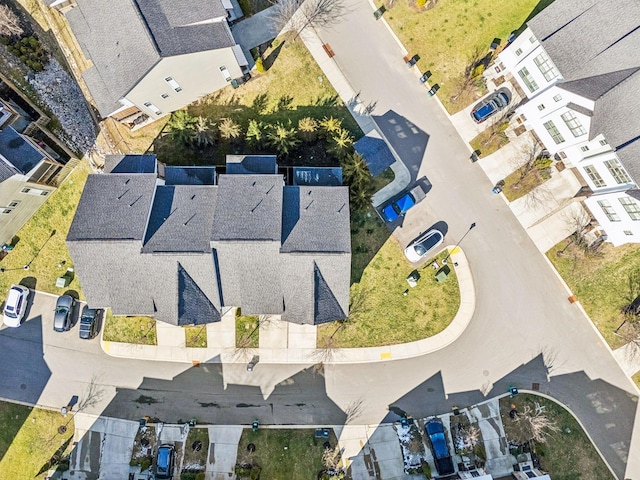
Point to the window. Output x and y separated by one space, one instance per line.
616 171
546 66
584 148
557 98
14 203
608 210
553 131
541 107
519 52
532 39
574 124
165 95
594 176
153 108
6 211
604 142
25 190
628 232
225 73
631 207
528 80
173 84
34 191
562 155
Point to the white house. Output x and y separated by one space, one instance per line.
152 57
577 63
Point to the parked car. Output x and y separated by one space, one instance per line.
424 244
393 210
15 306
164 462
89 322
490 105
63 313
439 447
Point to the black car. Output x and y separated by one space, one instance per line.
164 461
439 447
90 322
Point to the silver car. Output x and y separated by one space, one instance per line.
422 245
63 313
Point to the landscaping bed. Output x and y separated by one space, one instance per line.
144 447
37 245
247 331
602 280
196 336
490 140
30 442
280 454
138 330
450 35
413 449
522 181
380 313
196 450
566 453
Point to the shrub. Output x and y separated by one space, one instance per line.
260 66
542 163
421 3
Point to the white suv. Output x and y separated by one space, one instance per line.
16 305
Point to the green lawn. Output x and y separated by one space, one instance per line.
196 459
29 438
247 331
489 141
284 454
196 336
382 315
600 281
139 330
447 36
55 215
567 454
516 185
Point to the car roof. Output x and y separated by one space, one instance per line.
14 294
434 426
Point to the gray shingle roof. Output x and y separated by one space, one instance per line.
113 207
249 208
181 219
629 156
194 308
316 219
6 170
326 305
189 175
130 163
248 164
596 86
178 27
18 151
113 36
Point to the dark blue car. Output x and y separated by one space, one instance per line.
393 210
439 447
490 105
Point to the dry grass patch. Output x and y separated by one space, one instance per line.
519 183
247 331
196 449
600 280
56 214
490 140
196 336
138 330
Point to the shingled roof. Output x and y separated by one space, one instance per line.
594 44
182 253
18 151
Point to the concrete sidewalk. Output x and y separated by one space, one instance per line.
299 344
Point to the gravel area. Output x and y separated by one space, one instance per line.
60 92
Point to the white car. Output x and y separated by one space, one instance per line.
422 245
16 305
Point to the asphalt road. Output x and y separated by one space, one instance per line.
524 330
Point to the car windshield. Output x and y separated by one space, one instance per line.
61 309
86 319
9 313
427 244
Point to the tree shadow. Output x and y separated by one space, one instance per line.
542 4
270 59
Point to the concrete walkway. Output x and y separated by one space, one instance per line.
299 344
223 450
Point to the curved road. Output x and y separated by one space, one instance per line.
524 330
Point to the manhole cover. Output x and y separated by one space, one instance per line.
23 386
196 446
62 429
429 389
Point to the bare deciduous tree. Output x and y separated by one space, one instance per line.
534 424
296 15
9 22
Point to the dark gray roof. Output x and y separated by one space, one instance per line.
113 36
130 163
181 219
629 156
250 276
190 175
316 219
327 176
181 27
249 208
18 151
194 307
249 164
590 37
326 305
6 171
580 109
113 207
596 86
